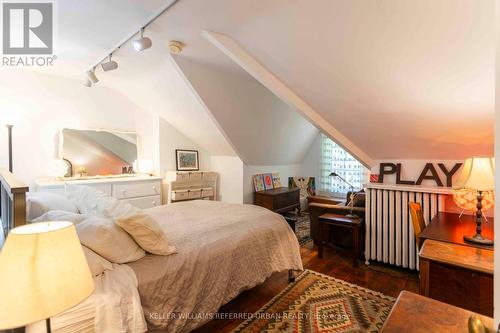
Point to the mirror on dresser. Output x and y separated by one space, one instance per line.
90 153
106 161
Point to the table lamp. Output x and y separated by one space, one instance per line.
352 196
478 176
43 273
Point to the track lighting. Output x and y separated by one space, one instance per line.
91 75
109 65
142 43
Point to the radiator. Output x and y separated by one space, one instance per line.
389 236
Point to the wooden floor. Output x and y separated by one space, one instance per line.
337 263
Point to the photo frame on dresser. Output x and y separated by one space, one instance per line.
186 160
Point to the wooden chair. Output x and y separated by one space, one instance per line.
417 219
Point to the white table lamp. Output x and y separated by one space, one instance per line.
43 272
478 176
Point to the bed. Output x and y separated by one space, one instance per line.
222 249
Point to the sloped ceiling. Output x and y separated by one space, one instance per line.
262 129
400 78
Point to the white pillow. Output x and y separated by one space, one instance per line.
108 240
61 215
86 198
39 203
97 264
146 232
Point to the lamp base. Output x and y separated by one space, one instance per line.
352 216
478 239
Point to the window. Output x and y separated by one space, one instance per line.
336 159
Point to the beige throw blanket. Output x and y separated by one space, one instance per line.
222 249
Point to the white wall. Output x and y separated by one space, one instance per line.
40 105
311 164
230 169
171 139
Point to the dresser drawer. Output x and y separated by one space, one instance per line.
136 189
145 202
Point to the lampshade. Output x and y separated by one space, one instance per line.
43 272
478 174
144 166
467 199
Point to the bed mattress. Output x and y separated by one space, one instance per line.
222 249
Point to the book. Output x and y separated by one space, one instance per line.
258 183
276 180
268 181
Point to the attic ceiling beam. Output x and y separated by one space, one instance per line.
246 61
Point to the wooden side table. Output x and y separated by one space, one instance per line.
355 225
413 313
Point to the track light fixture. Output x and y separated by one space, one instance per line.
109 65
91 75
142 43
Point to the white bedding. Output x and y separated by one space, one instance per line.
222 249
113 307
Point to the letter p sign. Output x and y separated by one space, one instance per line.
27 28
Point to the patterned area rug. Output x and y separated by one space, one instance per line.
317 303
303 228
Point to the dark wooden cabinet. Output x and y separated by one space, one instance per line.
458 275
278 200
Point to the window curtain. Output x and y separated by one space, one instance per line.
336 159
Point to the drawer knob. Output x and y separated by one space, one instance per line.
154 203
154 188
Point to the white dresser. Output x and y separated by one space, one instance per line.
140 191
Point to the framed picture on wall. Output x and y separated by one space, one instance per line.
186 160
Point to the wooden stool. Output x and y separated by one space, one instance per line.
355 225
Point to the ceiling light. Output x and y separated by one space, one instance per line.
109 65
91 75
142 43
87 83
175 46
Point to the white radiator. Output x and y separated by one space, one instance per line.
389 236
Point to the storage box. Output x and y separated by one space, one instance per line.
209 176
195 176
194 194
182 177
207 192
178 195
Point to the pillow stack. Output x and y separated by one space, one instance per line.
115 229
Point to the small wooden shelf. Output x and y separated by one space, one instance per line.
181 185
